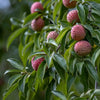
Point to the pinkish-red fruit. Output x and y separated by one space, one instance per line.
36 63
72 17
78 32
69 4
52 35
37 24
36 5
82 48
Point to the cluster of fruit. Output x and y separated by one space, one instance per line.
78 33
82 47
37 25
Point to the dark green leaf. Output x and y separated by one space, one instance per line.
79 67
81 13
70 81
92 71
41 71
59 69
61 61
51 87
22 82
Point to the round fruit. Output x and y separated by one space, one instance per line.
72 17
52 35
36 63
69 4
78 32
36 5
82 48
37 24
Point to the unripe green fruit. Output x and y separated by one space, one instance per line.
37 24
78 32
72 17
82 48
36 63
69 4
52 35
36 5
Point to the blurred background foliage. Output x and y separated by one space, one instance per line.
8 9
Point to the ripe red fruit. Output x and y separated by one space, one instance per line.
36 5
36 63
37 24
52 35
72 16
82 48
69 4
78 32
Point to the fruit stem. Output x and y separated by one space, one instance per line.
58 48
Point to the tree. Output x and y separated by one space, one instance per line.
63 73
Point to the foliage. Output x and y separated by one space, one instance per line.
68 76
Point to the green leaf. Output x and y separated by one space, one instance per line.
15 35
62 34
79 67
31 17
11 71
49 27
52 42
36 53
60 95
92 71
95 56
97 92
10 90
67 54
13 79
81 13
31 80
49 60
59 69
56 9
15 21
61 61
26 47
40 75
70 81
41 71
89 28
15 63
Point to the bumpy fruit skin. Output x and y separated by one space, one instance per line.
36 63
72 16
78 32
69 4
52 35
37 24
82 48
36 5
